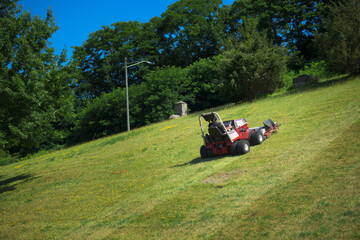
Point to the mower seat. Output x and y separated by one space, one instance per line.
216 134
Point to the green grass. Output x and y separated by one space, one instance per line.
302 183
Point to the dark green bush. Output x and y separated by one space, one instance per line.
103 116
340 41
251 67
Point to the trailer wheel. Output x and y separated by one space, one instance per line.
232 148
203 151
243 147
257 138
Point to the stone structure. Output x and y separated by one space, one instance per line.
304 80
181 108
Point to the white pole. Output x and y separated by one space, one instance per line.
127 97
127 89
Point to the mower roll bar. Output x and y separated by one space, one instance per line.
208 117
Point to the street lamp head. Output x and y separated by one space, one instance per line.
136 63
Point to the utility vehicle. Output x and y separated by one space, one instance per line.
233 136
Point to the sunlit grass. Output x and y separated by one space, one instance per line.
151 183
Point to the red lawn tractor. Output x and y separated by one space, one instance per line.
233 136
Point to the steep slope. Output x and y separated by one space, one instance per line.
152 183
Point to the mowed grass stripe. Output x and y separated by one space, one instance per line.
321 200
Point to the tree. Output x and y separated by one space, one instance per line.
190 30
100 60
35 101
288 23
339 41
251 67
202 75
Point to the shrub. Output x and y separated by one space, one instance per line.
202 75
316 69
251 67
103 116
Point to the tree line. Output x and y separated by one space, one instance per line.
204 53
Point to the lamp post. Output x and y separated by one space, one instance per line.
127 89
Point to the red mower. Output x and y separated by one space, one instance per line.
233 136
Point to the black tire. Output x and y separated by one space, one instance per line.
257 138
203 152
243 147
209 152
232 148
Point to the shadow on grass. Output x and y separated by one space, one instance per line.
9 184
327 83
200 160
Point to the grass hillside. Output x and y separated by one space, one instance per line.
152 184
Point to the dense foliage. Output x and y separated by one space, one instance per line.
204 53
288 23
340 42
101 59
36 104
252 67
104 116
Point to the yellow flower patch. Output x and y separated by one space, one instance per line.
168 127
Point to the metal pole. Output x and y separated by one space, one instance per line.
127 89
127 97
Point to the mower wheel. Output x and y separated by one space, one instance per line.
203 151
243 147
209 152
232 148
257 138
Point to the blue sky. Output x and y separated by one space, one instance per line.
78 18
